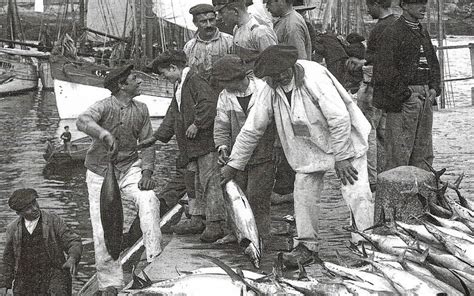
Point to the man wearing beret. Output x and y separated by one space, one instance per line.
235 102
192 112
33 259
250 37
116 124
209 44
319 127
407 80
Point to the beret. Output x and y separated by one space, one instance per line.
274 60
354 38
114 75
228 68
22 198
201 8
414 1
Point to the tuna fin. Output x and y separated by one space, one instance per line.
461 280
458 181
302 274
138 282
381 222
339 259
233 275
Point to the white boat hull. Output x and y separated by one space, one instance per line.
72 99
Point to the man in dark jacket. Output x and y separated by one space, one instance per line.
34 252
406 83
192 111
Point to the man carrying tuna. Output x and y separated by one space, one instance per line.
319 127
116 124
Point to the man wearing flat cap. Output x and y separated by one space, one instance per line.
209 44
190 118
36 242
407 81
320 128
250 37
116 124
235 102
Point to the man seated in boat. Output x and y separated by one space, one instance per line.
192 111
36 241
320 128
235 102
116 124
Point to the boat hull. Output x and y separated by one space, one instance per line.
45 75
17 76
73 98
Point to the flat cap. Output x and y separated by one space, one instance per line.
219 4
300 6
22 198
274 60
115 75
228 68
201 8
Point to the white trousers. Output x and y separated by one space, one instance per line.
109 271
307 196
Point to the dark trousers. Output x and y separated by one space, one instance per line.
54 282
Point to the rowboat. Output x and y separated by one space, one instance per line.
57 155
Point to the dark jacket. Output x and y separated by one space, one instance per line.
198 106
373 42
58 239
396 65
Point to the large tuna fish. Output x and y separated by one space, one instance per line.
243 221
111 212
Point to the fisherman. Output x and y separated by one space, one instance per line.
233 106
407 81
66 137
319 127
193 110
36 241
290 27
250 37
116 124
301 8
209 44
380 10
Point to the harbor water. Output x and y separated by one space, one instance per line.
29 120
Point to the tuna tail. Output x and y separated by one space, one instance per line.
381 222
436 173
233 275
138 282
354 228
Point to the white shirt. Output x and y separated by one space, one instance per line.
180 87
31 225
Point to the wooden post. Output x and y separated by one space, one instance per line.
441 52
471 51
339 17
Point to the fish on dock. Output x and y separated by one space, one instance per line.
243 221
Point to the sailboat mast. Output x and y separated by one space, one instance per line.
440 51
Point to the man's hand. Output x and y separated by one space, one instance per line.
111 144
354 64
277 155
146 182
432 95
70 265
223 157
346 172
146 143
227 173
192 131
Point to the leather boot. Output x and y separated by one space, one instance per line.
299 254
212 232
195 225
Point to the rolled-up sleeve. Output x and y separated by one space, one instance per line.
148 154
259 117
222 124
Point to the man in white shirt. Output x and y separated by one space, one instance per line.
320 128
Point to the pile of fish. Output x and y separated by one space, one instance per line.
432 256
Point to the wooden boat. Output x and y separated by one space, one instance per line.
17 74
58 156
79 84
